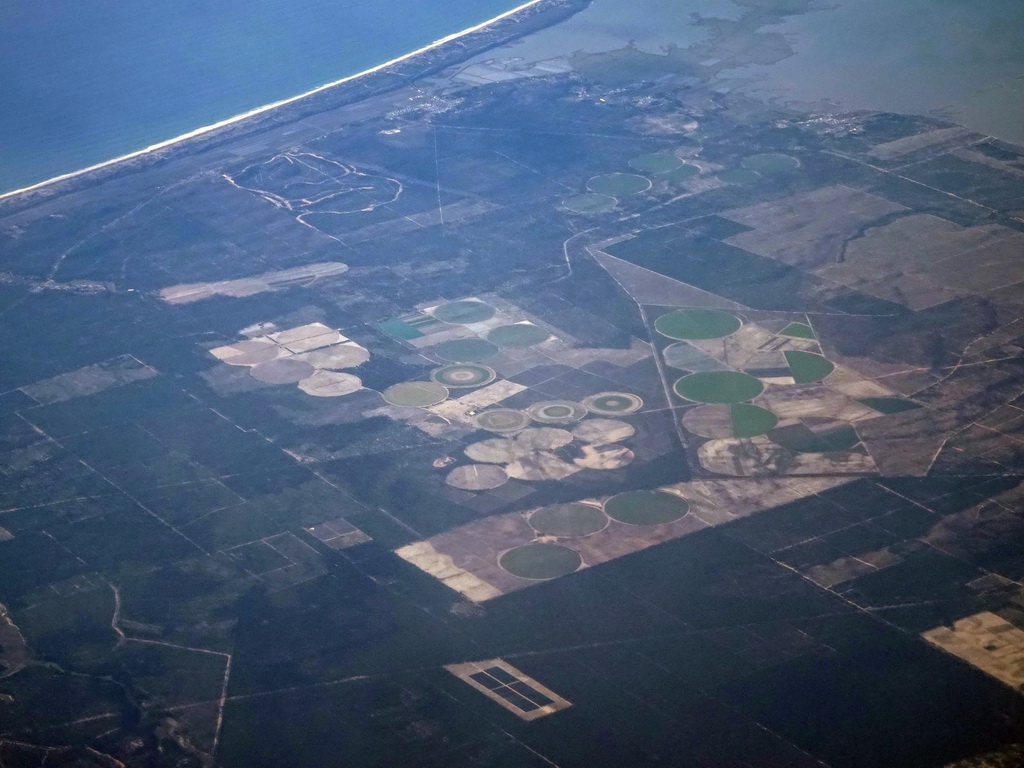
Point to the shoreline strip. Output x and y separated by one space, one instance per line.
272 106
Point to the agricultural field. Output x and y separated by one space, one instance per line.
428 429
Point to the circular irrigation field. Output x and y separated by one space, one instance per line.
477 477
287 370
613 403
502 420
253 352
557 412
464 312
589 203
463 375
719 387
736 420
697 324
617 184
540 561
416 394
518 336
336 356
465 350
807 367
603 431
682 173
739 176
330 384
657 162
770 162
646 507
568 520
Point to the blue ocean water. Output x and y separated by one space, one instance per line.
83 81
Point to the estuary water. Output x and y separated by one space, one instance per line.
959 59
84 81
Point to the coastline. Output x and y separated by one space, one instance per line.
255 117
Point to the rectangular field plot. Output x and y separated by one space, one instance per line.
985 641
521 695
338 534
89 380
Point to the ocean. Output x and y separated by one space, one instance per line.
84 81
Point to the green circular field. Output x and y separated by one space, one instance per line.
798 331
540 561
465 350
502 420
725 421
658 162
751 420
682 173
556 412
695 324
646 507
518 336
463 375
739 176
617 184
589 203
464 312
568 520
416 394
808 367
719 387
613 403
770 162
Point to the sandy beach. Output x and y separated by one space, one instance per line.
264 110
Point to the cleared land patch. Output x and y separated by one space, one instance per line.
603 431
89 380
987 642
249 286
504 684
